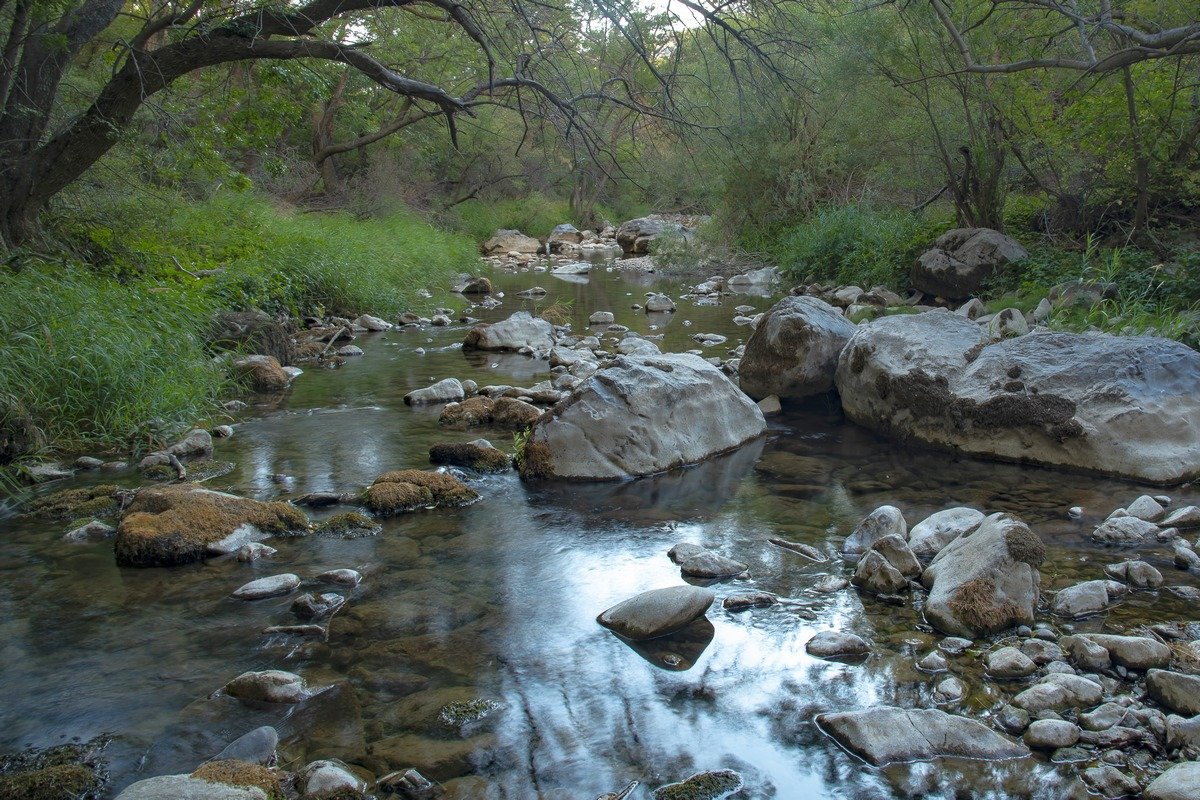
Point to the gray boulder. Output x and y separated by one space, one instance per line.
929 536
447 390
639 416
268 686
1180 782
512 334
986 581
185 787
658 612
1132 652
1124 531
836 644
1057 399
881 522
256 747
1174 691
637 236
1138 574
794 351
887 735
874 574
962 259
1085 599
1009 662
510 241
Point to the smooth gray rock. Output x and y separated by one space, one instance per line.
272 586
1138 574
1058 691
1146 508
1180 782
256 747
268 686
518 331
881 522
1082 599
1051 734
1110 783
794 351
1057 399
1133 652
448 390
94 531
510 241
1086 654
1104 717
342 577
685 550
987 581
1009 662
185 787
930 535
836 644
1124 531
659 303
711 565
639 416
1174 691
874 574
887 735
323 777
933 662
896 551
658 612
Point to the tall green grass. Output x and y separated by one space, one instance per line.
104 325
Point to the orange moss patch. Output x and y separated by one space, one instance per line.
168 525
59 782
241 773
513 414
472 411
397 497
974 604
536 460
447 490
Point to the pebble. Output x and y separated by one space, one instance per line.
342 577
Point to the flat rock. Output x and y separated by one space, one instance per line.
519 331
272 586
1082 599
1138 574
658 612
741 602
711 565
887 735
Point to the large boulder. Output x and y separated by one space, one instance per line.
167 525
518 331
638 416
962 259
636 235
794 352
1118 405
887 735
985 581
1180 782
186 787
509 241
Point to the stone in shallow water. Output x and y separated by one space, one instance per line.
684 551
701 786
928 537
830 583
185 787
272 586
1124 531
1110 783
1051 734
326 777
342 577
312 607
268 686
1009 662
1174 691
711 565
836 644
741 602
657 612
1138 574
256 747
933 662
1133 652
886 735
879 523
1083 599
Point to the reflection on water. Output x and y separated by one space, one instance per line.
498 601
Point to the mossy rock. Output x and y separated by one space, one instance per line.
241 773
468 413
535 460
167 525
338 794
88 501
457 714
60 782
702 786
397 498
473 456
348 525
445 490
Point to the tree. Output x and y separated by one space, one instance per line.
518 59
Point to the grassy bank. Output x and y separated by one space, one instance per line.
105 326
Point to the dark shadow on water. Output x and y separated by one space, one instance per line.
678 652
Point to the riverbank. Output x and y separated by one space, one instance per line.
108 329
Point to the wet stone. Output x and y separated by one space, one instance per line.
273 586
1051 734
1180 782
312 607
1174 691
741 602
268 686
830 583
1009 662
954 645
933 662
684 551
1012 719
1110 783
711 565
701 786
1138 574
1041 651
256 747
253 551
950 690
837 644
342 577
657 612
1103 717
325 777
886 735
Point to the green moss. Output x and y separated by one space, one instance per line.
63 782
89 501
702 786
446 490
73 771
483 459
348 525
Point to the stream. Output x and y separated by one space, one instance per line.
497 601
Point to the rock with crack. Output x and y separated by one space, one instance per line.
888 735
641 415
986 581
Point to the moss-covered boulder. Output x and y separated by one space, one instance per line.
478 455
410 489
348 525
167 525
59 782
262 373
241 773
88 501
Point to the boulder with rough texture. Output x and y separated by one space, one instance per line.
881 522
447 390
1180 782
986 581
268 686
962 259
887 735
930 535
639 416
874 574
658 612
794 351
1124 531
1085 599
1174 691
168 525
478 455
518 331
1056 399
510 241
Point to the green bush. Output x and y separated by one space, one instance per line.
855 244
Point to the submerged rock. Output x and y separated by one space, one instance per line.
887 735
1057 399
167 525
711 566
701 786
986 581
658 612
794 351
256 747
326 777
640 416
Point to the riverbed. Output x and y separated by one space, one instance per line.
496 602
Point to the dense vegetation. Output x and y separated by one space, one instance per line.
311 153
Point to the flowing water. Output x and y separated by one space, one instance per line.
497 601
